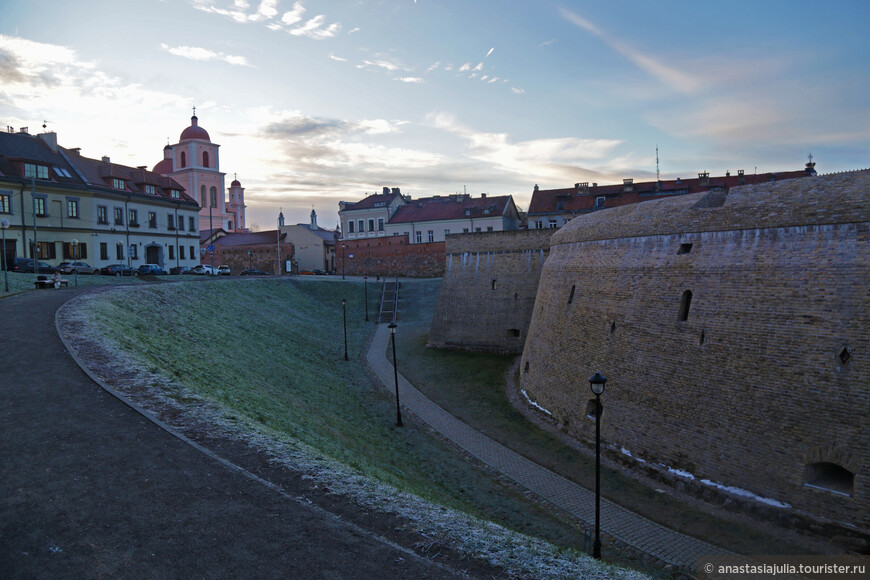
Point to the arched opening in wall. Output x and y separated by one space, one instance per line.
205 158
513 332
830 477
685 304
213 194
571 294
183 159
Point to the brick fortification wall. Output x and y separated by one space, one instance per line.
489 289
768 374
389 256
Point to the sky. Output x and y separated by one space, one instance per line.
315 101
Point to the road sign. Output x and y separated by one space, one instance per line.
211 248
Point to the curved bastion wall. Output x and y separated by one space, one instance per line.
734 331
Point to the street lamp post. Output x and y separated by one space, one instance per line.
249 260
76 259
3 225
343 259
366 286
344 315
596 383
392 328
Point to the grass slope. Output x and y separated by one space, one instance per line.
271 354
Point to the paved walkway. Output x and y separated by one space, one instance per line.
663 543
89 488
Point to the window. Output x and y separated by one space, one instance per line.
419 236
102 215
181 252
494 284
118 183
553 224
62 172
39 206
202 196
464 230
5 203
192 253
829 476
171 252
489 228
477 230
360 228
380 224
685 304
350 227
170 221
371 225
38 171
72 208
431 235
119 216
45 251
183 159
229 226
176 193
133 218
513 332
71 252
150 189
205 158
104 251
599 202
152 219
213 196
191 224
447 231
133 254
119 251
181 223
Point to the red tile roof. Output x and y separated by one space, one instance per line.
249 239
573 200
450 207
374 200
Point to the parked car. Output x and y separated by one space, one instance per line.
150 269
116 270
80 267
253 272
26 265
320 272
204 270
223 270
175 270
306 273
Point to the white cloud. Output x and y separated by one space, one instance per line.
314 29
489 53
204 54
295 15
413 80
338 58
465 67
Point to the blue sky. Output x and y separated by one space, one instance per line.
318 101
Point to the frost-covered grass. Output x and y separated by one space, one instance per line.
19 282
267 358
472 387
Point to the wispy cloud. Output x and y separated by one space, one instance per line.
673 78
382 62
412 80
266 12
489 53
204 54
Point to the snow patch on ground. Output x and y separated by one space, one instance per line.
627 452
744 493
534 404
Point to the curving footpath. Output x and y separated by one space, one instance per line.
630 528
89 488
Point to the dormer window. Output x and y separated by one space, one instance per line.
150 189
118 183
62 172
176 193
32 170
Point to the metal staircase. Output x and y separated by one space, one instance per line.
389 301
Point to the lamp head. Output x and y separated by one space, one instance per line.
392 327
596 383
343 301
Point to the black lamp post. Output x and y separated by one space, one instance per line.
250 267
343 258
596 383
344 315
75 259
3 225
392 328
366 286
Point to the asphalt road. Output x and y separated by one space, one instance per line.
89 488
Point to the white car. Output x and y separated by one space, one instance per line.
223 270
204 269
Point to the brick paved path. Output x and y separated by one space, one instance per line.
663 543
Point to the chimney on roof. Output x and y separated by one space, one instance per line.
628 184
741 178
396 191
482 196
106 159
50 139
704 179
727 173
142 167
386 191
24 130
76 150
582 187
810 167
536 187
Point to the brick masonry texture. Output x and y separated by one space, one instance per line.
489 289
750 388
389 256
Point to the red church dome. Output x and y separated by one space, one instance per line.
235 183
194 132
